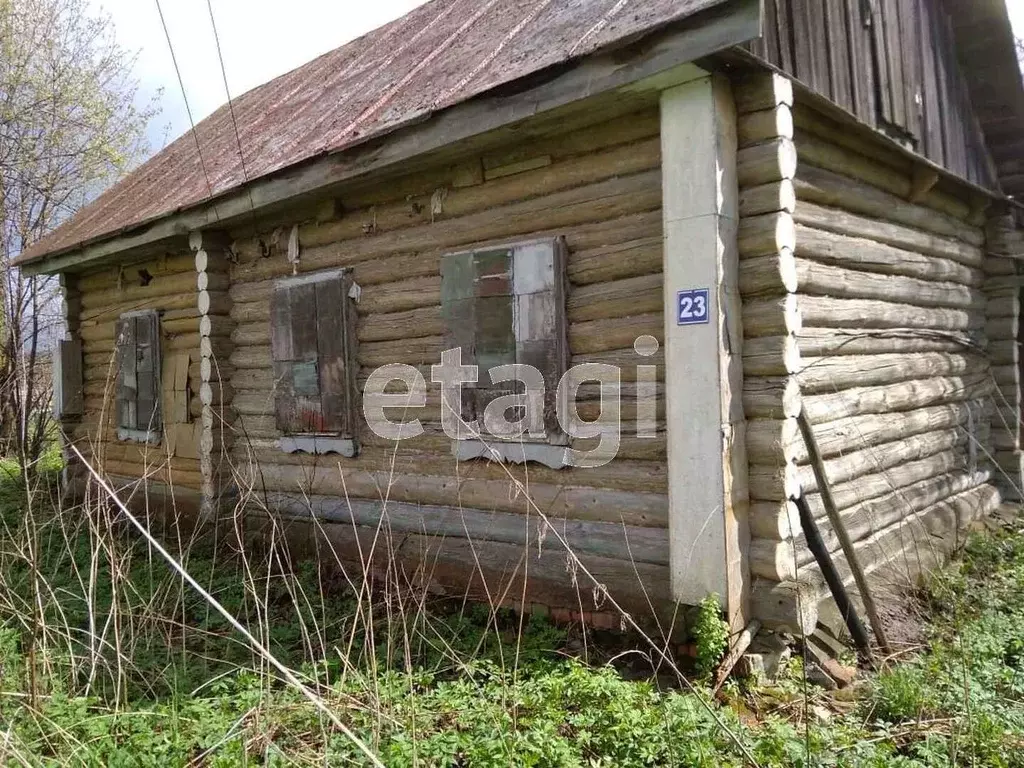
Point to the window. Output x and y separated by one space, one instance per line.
138 392
505 305
312 339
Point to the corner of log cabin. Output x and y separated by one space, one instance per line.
892 325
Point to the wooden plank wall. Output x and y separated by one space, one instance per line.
892 63
599 186
102 296
866 312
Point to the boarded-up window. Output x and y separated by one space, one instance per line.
312 330
506 305
138 393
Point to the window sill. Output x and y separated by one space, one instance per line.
319 444
552 456
152 437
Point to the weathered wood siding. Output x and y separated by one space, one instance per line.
867 312
599 187
892 63
95 300
1004 268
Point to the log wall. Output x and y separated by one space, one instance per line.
1004 269
94 300
599 186
867 312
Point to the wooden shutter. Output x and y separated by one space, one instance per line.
504 306
138 354
541 328
67 378
312 346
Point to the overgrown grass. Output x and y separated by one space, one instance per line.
106 658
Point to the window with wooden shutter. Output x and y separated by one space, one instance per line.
138 394
312 332
505 305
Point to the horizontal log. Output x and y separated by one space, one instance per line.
901 396
780 560
642 545
826 151
620 298
767 198
927 535
826 312
771 397
558 501
107 276
614 333
766 234
777 483
782 272
828 374
758 91
772 160
771 316
768 440
609 199
1001 327
785 607
845 223
864 254
616 261
765 125
824 187
822 342
171 285
487 570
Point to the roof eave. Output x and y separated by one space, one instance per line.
665 59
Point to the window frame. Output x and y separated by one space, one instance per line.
529 289
153 433
329 441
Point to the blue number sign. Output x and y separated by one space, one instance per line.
692 306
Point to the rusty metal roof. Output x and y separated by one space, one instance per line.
442 53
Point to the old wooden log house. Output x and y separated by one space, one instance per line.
751 209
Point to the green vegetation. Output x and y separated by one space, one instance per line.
106 659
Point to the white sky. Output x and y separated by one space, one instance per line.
260 39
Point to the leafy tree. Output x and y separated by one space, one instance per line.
69 127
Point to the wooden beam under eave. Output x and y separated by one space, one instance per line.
922 181
708 535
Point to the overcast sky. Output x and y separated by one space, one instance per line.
260 39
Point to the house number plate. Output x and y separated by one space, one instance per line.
692 306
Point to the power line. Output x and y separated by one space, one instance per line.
188 109
231 111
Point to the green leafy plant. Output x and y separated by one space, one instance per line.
711 635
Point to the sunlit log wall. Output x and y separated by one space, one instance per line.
597 182
864 307
167 284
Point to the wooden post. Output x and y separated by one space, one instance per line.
703 338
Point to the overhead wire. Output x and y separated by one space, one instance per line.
184 96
